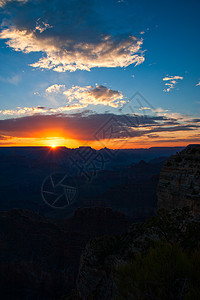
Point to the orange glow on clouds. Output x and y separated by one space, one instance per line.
133 143
56 133
96 130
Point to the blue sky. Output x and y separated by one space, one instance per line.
94 55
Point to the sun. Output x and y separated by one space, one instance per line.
53 146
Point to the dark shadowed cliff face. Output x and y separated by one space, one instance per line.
104 256
179 186
179 183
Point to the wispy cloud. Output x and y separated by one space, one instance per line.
29 111
3 138
55 88
41 26
15 79
19 111
77 41
173 115
4 2
170 82
144 108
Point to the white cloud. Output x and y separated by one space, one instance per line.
42 26
94 95
172 78
144 108
67 55
160 110
55 88
73 37
20 111
171 115
4 2
170 82
78 98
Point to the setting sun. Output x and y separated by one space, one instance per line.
53 146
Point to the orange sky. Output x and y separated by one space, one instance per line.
113 144
98 131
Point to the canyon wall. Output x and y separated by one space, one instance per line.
179 182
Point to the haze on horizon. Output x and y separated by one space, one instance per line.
117 74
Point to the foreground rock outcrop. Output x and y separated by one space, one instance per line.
179 183
104 256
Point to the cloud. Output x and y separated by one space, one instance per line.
198 83
94 95
4 2
195 121
70 35
23 110
15 79
172 78
144 108
160 110
75 98
42 26
171 81
172 116
83 126
20 111
55 88
3 138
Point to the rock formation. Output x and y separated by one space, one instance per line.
102 257
179 186
179 183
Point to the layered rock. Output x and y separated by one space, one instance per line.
179 183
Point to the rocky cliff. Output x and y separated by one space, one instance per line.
104 256
179 183
179 186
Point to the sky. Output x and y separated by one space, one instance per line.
118 73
